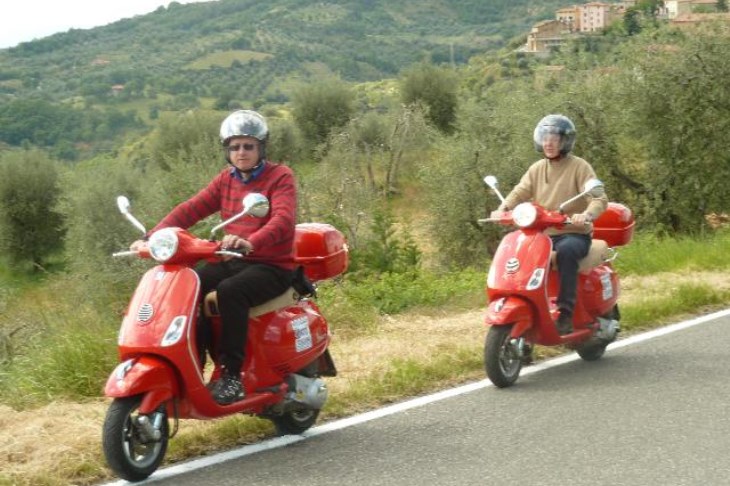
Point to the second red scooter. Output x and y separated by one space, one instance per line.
523 284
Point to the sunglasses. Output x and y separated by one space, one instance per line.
246 146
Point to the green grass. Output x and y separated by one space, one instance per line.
392 293
648 254
684 299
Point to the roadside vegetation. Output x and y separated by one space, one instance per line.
381 359
399 171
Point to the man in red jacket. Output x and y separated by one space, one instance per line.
266 271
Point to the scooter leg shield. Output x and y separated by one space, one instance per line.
142 375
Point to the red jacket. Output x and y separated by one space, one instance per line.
272 236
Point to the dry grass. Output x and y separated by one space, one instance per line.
62 440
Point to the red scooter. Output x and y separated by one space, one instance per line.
161 374
523 284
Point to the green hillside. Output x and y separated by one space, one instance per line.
172 50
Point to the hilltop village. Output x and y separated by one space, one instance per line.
594 17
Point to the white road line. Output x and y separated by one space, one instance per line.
277 442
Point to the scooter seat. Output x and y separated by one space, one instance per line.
599 253
289 297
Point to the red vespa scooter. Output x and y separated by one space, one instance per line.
161 375
523 284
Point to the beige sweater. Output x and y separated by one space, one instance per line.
551 183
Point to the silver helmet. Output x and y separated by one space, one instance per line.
559 124
244 123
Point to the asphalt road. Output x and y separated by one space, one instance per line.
651 413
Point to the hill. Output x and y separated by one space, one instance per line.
240 52
252 47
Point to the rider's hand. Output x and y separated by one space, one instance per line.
496 214
137 245
581 219
232 242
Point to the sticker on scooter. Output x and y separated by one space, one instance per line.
607 286
302 335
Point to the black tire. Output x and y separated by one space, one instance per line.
127 455
503 367
295 421
591 352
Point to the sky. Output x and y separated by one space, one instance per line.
26 20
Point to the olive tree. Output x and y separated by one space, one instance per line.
680 105
320 107
31 228
436 88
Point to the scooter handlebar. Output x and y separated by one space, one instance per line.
235 253
503 217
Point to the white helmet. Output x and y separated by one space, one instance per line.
244 123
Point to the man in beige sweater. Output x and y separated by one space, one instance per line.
550 182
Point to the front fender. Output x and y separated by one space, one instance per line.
510 310
149 375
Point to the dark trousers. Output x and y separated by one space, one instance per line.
240 286
571 248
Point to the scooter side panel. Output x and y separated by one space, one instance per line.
287 341
599 290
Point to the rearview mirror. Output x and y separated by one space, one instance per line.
592 187
491 181
124 205
254 204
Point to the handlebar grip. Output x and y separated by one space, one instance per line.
126 253
236 253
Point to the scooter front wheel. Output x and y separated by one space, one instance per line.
501 360
132 450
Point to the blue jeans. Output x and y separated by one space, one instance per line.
570 248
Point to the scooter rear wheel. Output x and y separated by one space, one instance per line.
591 352
502 364
295 421
594 349
128 453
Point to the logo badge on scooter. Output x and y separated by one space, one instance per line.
145 313
512 265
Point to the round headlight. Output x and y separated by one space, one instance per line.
163 244
524 214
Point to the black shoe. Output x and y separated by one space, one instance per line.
227 390
564 325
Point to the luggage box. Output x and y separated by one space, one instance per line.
615 226
321 249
